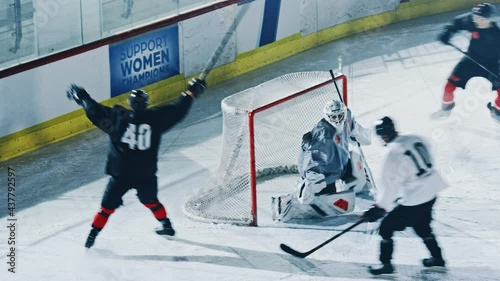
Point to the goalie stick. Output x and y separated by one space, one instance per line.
336 87
302 255
218 51
368 170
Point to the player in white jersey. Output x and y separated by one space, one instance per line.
331 172
406 192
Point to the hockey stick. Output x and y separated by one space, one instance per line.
218 51
368 170
336 86
302 255
480 65
233 156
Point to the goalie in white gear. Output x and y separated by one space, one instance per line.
331 171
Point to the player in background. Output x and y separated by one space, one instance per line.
331 172
484 48
129 4
135 136
406 193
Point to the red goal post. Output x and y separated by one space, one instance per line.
262 131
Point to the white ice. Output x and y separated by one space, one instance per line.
398 71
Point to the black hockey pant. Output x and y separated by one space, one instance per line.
418 217
147 190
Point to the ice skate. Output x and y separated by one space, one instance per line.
385 268
495 113
431 262
91 238
166 229
444 112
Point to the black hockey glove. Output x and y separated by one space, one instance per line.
77 93
444 37
197 86
373 214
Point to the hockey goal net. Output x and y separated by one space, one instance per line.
262 132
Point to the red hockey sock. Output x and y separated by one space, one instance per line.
101 218
497 100
158 210
448 95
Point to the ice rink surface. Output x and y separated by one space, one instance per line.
398 71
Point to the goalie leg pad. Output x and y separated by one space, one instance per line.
337 204
287 207
312 184
282 207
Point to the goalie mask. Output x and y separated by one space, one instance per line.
138 100
335 113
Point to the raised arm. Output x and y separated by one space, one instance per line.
170 114
98 114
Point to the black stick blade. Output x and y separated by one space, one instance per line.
292 252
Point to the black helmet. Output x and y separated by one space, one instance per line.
485 10
385 127
138 100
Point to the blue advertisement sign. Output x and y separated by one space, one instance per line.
144 60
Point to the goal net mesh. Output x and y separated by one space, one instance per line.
283 110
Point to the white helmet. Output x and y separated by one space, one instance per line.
335 113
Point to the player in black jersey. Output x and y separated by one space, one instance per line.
484 49
135 136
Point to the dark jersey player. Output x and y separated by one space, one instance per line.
482 58
135 136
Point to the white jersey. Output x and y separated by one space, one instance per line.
408 174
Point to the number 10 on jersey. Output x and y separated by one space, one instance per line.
137 136
424 156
